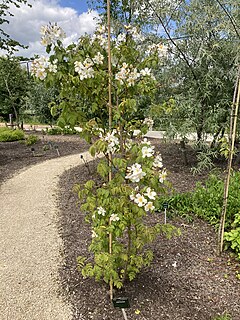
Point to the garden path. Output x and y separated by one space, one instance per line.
30 246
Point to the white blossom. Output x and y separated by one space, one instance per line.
157 163
132 196
51 33
102 40
127 74
113 142
136 34
84 69
40 67
98 58
101 29
135 173
128 144
149 207
121 38
147 152
101 211
162 175
145 72
149 122
145 141
94 234
151 194
114 217
140 200
160 48
53 66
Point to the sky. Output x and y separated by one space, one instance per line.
71 15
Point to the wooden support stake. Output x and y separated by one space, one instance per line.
232 136
110 117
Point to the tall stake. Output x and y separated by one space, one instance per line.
233 127
110 118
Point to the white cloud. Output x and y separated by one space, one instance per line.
25 25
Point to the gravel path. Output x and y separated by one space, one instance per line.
30 246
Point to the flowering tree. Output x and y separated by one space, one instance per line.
118 206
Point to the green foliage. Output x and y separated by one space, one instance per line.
58 130
38 102
225 316
13 87
201 74
206 202
31 139
7 135
6 43
233 237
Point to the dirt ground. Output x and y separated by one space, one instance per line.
186 280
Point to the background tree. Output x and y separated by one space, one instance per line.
38 102
14 83
6 42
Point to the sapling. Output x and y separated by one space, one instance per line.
107 83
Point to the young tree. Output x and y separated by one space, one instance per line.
116 206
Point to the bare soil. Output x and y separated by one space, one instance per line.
186 280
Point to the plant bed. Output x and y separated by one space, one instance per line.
186 279
17 155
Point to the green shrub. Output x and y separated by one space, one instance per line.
223 317
58 130
206 202
3 129
31 139
7 135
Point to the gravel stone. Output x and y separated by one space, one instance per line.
31 249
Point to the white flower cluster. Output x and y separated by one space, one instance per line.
161 49
157 163
98 58
101 211
135 173
149 122
114 217
162 175
113 141
120 39
147 151
85 69
130 75
100 36
135 33
51 33
42 65
142 201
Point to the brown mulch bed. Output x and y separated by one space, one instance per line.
17 155
186 280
